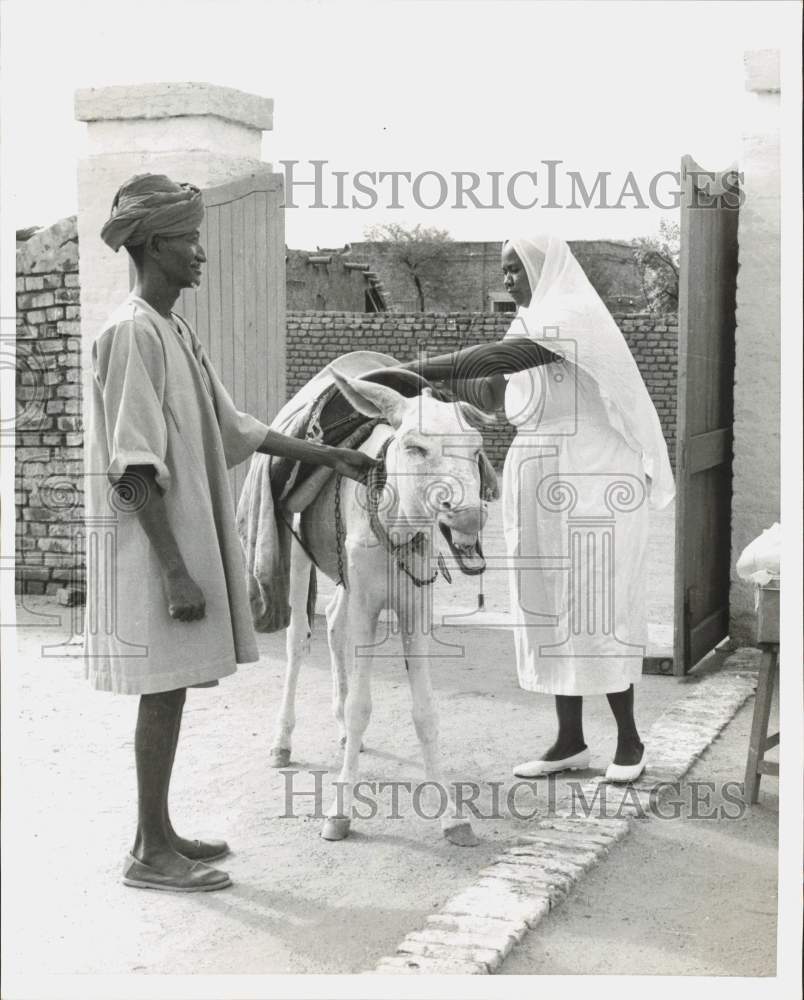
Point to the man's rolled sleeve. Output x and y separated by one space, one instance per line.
129 366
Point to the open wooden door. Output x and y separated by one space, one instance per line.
238 311
706 337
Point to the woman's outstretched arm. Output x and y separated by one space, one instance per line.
475 374
505 357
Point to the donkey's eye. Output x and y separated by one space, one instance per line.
415 450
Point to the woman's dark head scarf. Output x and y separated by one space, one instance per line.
149 205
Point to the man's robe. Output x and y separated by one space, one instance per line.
156 400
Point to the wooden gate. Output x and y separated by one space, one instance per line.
238 311
706 337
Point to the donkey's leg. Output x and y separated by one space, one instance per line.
362 623
455 828
336 633
297 648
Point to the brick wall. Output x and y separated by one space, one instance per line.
49 435
654 344
314 339
49 439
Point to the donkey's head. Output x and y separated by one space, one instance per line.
433 462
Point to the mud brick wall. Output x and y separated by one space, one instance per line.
49 433
654 344
315 338
48 429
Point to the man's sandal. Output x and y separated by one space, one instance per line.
206 850
197 878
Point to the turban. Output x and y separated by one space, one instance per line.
149 205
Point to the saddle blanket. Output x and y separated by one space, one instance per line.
275 488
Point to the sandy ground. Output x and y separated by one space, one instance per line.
687 896
302 905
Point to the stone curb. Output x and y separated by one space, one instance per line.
476 929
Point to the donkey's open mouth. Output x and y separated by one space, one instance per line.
466 549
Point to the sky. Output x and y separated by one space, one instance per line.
410 86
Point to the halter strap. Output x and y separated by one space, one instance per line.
375 483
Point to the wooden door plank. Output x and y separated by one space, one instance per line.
707 303
276 299
240 187
262 278
680 602
227 300
252 355
239 312
238 280
202 293
709 449
225 369
213 282
708 633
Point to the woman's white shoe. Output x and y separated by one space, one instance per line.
537 768
629 772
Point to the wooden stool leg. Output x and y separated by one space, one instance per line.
759 726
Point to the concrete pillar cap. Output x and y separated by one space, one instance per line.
173 100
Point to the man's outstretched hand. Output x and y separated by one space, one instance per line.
352 464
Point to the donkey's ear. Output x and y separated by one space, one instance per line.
477 418
371 398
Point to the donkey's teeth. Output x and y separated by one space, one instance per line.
463 541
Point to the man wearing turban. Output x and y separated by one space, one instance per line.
167 605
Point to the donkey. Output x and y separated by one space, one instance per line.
376 545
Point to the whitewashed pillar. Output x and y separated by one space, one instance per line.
757 378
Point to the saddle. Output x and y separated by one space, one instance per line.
275 488
333 421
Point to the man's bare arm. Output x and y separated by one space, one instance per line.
346 461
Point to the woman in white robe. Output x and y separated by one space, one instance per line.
587 461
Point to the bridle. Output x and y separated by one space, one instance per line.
401 552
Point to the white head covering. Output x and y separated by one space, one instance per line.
564 302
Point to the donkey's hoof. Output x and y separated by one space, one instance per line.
336 828
342 742
279 757
462 835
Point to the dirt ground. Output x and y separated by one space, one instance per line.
691 897
303 905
